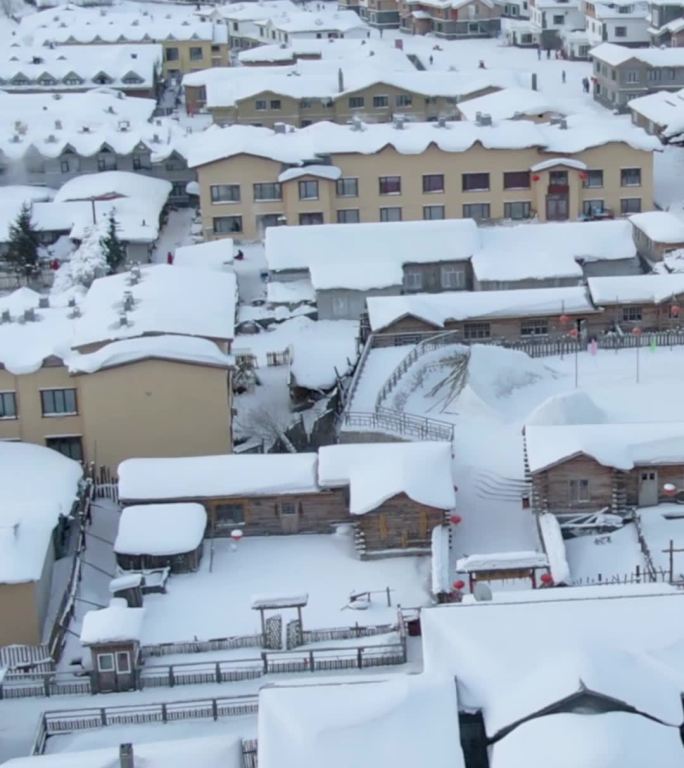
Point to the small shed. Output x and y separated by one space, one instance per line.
656 233
503 566
161 536
113 635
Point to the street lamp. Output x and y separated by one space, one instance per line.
636 332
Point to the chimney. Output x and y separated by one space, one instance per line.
399 121
29 315
128 301
43 302
280 127
123 319
340 80
126 756
563 124
5 316
533 84
441 121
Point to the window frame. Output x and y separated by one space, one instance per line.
384 213
12 395
192 53
413 279
632 314
380 101
51 442
216 200
276 186
386 184
100 667
435 208
342 182
340 219
360 99
427 177
588 183
445 271
534 327
527 210
477 330
465 177
467 214
624 172
579 490
47 414
520 175
626 203
128 666
219 231
304 184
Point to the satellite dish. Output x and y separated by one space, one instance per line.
482 592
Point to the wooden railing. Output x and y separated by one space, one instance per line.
400 423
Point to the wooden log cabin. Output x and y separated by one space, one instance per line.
394 494
591 468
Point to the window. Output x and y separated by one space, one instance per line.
594 180
70 447
620 31
178 189
380 102
174 163
559 20
452 276
390 214
476 211
340 306
105 662
228 515
578 490
308 190
655 74
137 163
433 182
227 224
413 279
432 212
8 405
106 162
516 180
632 76
65 168
261 105
132 79
630 205
390 185
307 219
123 662
630 177
476 331
58 402
631 314
196 53
356 102
267 191
288 508
171 54
268 220
592 207
275 104
349 216
518 210
537 327
225 193
403 100
347 187
305 103
558 178
475 182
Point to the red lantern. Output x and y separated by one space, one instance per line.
455 519
236 535
584 176
564 319
458 585
573 333
675 310
547 579
636 331
536 177
670 489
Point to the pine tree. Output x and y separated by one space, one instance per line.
22 251
114 249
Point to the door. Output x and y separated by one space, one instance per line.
289 516
124 671
648 488
557 207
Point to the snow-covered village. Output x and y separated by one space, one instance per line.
341 355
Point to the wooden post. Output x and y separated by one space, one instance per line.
312 667
264 659
359 657
218 674
214 708
172 680
389 597
263 627
164 713
670 551
103 716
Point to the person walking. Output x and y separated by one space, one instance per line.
169 258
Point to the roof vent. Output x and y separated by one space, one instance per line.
124 125
134 275
280 127
72 302
123 319
441 121
128 301
110 110
75 312
29 315
43 302
563 124
85 129
399 121
155 138
482 119
16 138
5 317
51 139
58 125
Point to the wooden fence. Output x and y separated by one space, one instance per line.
44 684
278 358
194 673
34 657
400 423
346 633
202 646
249 753
55 722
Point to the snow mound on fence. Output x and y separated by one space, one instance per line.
568 408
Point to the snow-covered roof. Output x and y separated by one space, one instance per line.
307 21
227 86
664 108
160 529
37 486
76 67
200 477
630 289
607 740
660 226
364 256
290 292
12 198
622 446
181 349
327 49
552 249
215 254
376 472
331 172
440 308
207 752
111 624
615 55
166 299
556 649
407 720
511 102
299 145
249 11
552 162
494 561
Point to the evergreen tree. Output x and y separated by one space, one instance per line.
114 249
23 244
